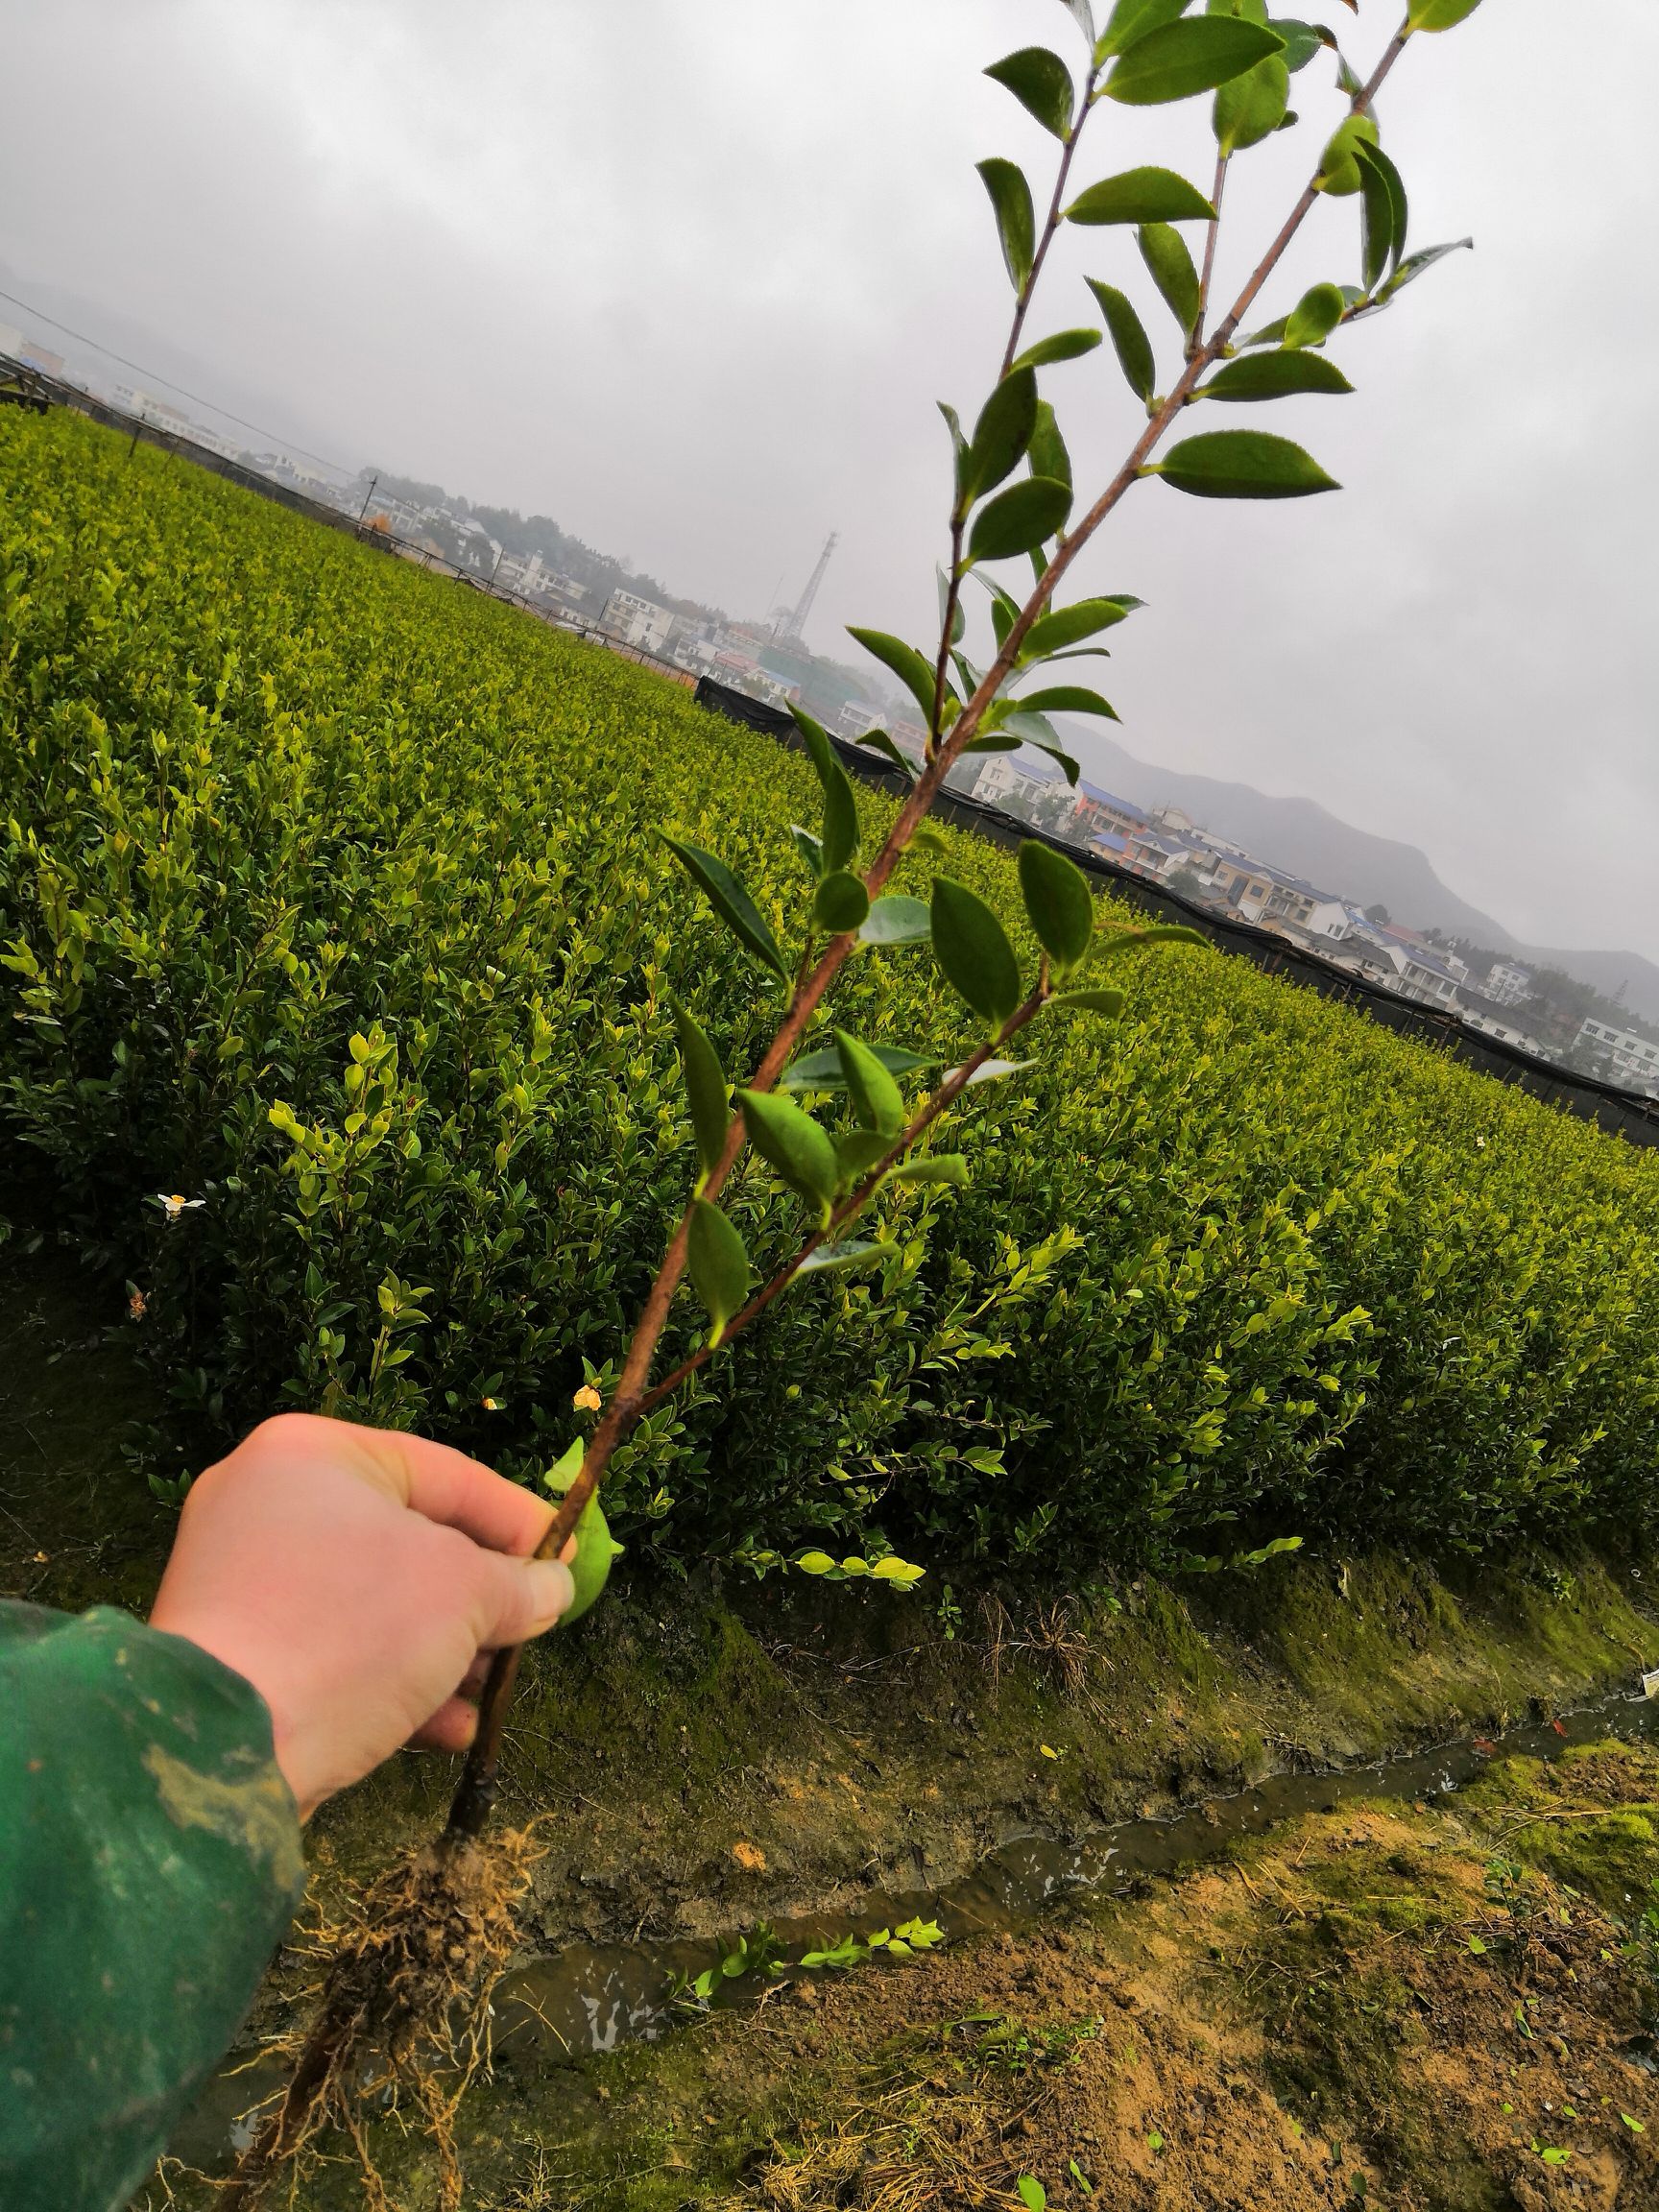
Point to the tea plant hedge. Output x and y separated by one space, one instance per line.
332 904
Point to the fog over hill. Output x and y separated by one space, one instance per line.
1301 835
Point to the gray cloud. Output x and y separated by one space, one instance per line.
691 279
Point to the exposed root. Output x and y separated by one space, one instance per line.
402 2018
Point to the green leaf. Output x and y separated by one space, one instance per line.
1061 345
854 1253
1387 211
1102 1001
1186 57
1439 14
1252 107
809 848
1070 699
1273 376
1048 455
1241 465
897 920
822 1071
792 1144
719 1265
840 840
1023 515
992 1072
1414 265
1002 436
1315 316
1164 253
858 1150
876 1099
1083 16
1141 196
959 615
1132 19
1338 173
842 903
1159 933
1129 339
1058 902
1016 218
973 949
1042 84
878 742
725 894
936 1167
958 444
1032 2194
1064 626
705 1090
913 670
1302 40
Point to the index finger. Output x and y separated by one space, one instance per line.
445 1486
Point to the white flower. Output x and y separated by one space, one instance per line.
172 1205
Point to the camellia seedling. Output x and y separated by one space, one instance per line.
1012 500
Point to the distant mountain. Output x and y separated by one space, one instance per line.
1299 835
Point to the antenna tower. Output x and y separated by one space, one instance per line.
798 620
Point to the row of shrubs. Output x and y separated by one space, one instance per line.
332 904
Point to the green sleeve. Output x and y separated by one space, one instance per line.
149 1860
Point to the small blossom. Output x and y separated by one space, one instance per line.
172 1205
587 1400
491 1405
137 1306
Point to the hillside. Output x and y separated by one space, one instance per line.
1300 834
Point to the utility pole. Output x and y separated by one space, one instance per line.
367 496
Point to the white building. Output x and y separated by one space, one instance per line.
638 622
1505 1032
1633 1059
1506 983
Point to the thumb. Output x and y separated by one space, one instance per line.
513 1599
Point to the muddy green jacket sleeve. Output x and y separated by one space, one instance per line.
149 1860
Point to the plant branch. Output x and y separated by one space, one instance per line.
940 1102
476 1791
1051 228
1210 236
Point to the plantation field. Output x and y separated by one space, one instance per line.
332 902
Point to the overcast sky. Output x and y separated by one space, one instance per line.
690 280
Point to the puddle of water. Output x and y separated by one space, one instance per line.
593 1997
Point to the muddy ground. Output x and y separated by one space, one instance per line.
1311 2025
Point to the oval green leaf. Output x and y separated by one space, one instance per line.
1132 19
1095 1002
1064 626
725 894
1170 266
1048 455
1242 464
1141 196
793 1146
1188 57
1070 699
876 1099
912 668
1058 902
1252 107
842 903
1016 217
840 840
1023 515
1439 14
1382 190
1061 345
824 1260
1129 339
822 1071
705 1090
718 1263
897 920
857 1151
936 1167
1002 436
1042 84
1315 316
974 954
1274 376
1338 173
1302 40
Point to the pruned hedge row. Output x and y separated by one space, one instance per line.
331 898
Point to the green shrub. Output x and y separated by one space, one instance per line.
329 900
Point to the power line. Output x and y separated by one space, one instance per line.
155 377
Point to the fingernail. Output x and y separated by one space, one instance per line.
551 1591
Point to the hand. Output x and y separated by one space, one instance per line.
358 1578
